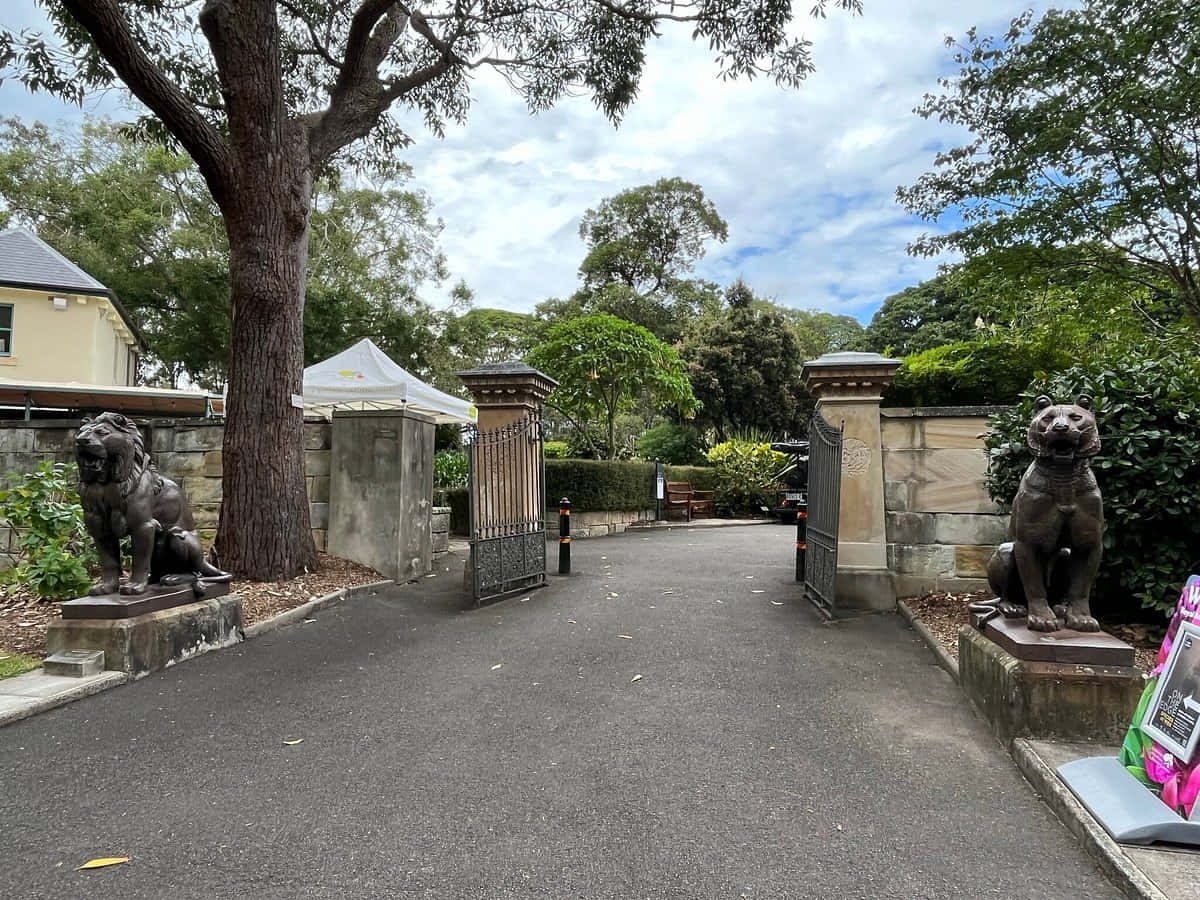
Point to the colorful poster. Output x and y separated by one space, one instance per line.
1170 768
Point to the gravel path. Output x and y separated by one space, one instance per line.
513 752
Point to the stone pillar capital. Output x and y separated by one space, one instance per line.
508 385
848 377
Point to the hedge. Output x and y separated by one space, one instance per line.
701 478
595 485
458 500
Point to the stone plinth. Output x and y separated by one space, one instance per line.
156 597
1089 648
1059 701
848 389
506 392
151 641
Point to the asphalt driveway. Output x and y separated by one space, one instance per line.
515 752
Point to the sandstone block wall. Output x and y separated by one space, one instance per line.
941 524
597 524
188 451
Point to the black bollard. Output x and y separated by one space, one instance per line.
801 542
564 536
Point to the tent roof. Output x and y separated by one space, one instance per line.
364 377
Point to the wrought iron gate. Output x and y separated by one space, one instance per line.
507 477
824 496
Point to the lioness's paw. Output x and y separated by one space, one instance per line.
102 587
133 587
1037 622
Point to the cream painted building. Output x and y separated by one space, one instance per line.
57 323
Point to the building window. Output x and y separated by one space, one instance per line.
6 317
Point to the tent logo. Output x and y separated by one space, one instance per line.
350 373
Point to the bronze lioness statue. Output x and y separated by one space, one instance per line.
1057 523
122 494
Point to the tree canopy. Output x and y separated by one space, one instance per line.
1085 134
744 364
928 315
604 366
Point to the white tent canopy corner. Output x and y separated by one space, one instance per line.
364 377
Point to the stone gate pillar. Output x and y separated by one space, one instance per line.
847 388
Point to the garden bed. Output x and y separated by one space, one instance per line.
944 613
24 618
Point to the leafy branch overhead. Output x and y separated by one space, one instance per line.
1085 133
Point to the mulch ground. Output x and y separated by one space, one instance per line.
24 618
944 613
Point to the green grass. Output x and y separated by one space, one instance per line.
14 663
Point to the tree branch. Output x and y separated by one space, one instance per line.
110 31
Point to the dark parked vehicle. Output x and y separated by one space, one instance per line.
794 497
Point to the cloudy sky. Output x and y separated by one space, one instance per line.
805 178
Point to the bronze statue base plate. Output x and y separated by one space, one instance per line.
1087 648
122 606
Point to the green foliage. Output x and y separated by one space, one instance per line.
1083 134
556 449
595 485
817 332
450 469
969 373
1148 411
701 478
916 319
747 475
140 219
679 445
459 501
604 365
52 546
483 335
745 368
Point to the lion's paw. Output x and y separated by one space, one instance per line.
133 588
1082 623
1037 622
100 588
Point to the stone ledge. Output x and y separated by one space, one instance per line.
153 641
1045 700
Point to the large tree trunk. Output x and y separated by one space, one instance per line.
264 532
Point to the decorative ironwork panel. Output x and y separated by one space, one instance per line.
507 478
824 497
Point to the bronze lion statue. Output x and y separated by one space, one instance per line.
122 494
1047 568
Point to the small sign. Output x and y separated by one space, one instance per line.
297 401
1173 715
658 487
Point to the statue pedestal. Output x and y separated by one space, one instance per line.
157 597
1067 701
149 641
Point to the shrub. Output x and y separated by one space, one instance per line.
458 499
1148 470
450 469
969 373
556 449
676 445
747 475
51 547
593 485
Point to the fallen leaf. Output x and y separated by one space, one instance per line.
721 602
635 678
26 624
294 742
628 637
101 861
777 603
497 666
668 592
612 595
306 621
758 591
523 599
572 622
839 828
749 576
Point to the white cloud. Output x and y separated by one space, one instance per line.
805 178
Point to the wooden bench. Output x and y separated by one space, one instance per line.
692 504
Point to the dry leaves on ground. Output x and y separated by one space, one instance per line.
944 613
24 618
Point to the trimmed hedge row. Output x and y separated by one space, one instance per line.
701 478
595 485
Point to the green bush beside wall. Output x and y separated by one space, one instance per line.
595 485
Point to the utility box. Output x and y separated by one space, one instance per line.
381 490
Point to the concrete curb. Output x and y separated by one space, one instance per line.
945 660
1096 841
102 683
304 610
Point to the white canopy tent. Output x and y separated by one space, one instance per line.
364 377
